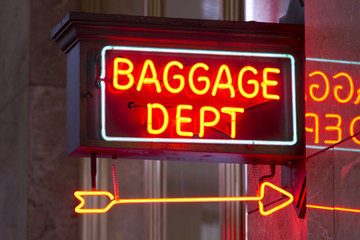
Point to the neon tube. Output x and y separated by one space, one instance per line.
79 195
333 208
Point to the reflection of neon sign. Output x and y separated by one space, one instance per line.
196 96
341 209
81 194
318 97
337 127
330 126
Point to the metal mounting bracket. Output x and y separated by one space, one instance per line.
293 179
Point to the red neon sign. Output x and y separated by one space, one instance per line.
81 194
176 91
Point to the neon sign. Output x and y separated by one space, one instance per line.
175 91
115 200
199 95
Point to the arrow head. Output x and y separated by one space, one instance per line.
274 209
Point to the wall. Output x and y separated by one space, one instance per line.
14 95
36 177
332 32
52 177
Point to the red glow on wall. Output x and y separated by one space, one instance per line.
325 125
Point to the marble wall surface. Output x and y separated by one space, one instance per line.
52 176
13 168
14 95
36 177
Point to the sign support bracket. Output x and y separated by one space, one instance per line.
93 170
293 179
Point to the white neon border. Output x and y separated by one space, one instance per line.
197 140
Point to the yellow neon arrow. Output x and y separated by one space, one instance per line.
79 195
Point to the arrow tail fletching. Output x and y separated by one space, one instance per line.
80 196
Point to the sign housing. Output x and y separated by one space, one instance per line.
176 89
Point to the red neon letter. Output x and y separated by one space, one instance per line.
353 121
227 85
150 118
121 71
204 124
200 79
312 86
179 77
251 81
232 112
180 120
144 80
334 128
266 82
339 87
316 128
